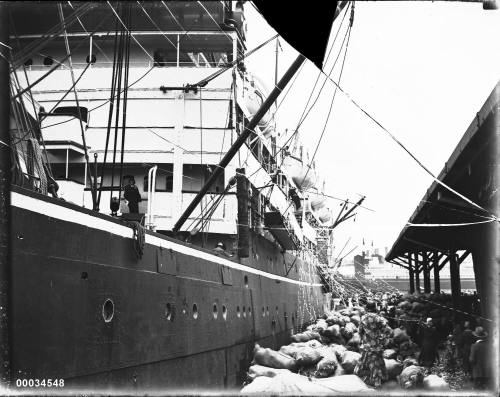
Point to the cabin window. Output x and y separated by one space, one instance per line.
28 62
194 177
68 171
73 111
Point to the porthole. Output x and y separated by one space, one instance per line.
249 311
215 311
28 62
108 310
168 312
238 314
263 311
245 279
267 311
277 311
195 311
244 312
224 312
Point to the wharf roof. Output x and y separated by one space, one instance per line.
473 160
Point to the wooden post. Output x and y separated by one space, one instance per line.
437 283
412 279
417 273
411 264
455 280
5 185
427 273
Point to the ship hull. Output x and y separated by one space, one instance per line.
85 308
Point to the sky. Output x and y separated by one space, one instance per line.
422 69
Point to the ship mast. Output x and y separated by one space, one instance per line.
241 140
5 182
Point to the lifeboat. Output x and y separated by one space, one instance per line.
299 173
317 202
253 95
324 215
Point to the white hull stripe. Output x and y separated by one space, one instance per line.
69 215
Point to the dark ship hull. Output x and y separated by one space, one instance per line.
86 309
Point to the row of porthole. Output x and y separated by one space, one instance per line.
49 61
108 310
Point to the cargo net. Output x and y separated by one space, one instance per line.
307 300
30 169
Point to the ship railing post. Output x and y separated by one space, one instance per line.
151 197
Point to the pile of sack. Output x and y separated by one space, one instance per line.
323 357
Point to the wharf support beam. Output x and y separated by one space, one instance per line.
427 273
437 283
486 268
412 280
455 280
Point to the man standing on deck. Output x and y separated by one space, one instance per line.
132 195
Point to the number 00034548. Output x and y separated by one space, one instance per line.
39 382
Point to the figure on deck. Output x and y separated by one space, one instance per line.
132 195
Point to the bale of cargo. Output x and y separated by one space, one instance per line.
435 383
305 336
409 361
393 367
389 353
320 326
290 350
411 377
405 305
360 309
343 384
285 383
345 312
259 370
346 319
328 364
400 336
257 386
355 319
339 350
407 349
354 342
270 358
336 320
307 356
348 331
349 361
314 343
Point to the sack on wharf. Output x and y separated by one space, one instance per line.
403 344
